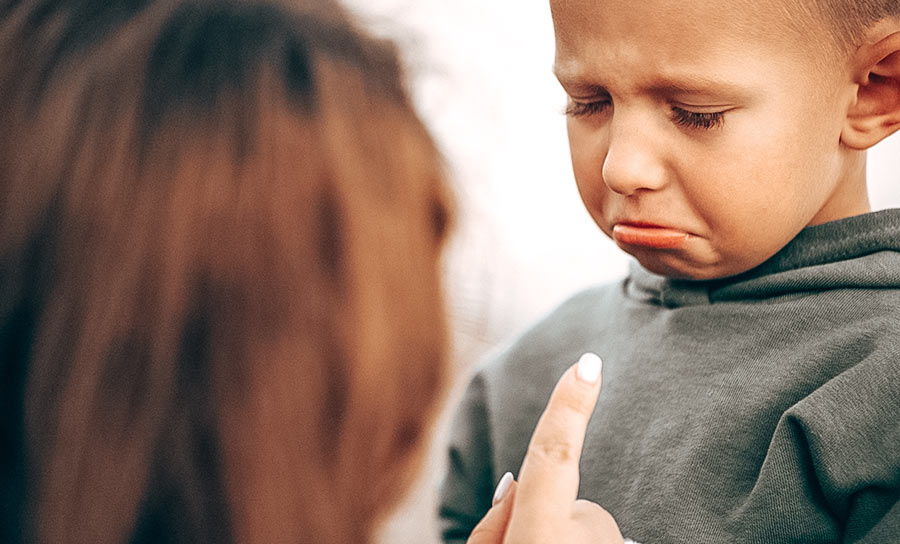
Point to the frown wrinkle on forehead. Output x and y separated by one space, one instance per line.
688 28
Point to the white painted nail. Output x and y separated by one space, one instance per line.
503 487
589 366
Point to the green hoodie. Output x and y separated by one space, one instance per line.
761 408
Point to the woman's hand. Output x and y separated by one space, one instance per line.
541 508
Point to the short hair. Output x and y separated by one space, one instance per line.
849 19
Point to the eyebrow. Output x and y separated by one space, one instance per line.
697 86
663 86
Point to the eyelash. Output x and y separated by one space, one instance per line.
585 109
682 117
691 119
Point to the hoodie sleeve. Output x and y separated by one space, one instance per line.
851 429
856 442
467 487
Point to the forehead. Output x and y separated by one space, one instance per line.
704 35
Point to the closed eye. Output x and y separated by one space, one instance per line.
692 119
584 109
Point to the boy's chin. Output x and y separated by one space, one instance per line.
679 269
695 260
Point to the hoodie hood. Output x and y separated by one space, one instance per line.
860 252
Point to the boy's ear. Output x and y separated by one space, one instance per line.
876 113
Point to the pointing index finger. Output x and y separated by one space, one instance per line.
549 477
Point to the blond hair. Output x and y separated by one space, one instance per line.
847 20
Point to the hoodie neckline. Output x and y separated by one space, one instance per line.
819 257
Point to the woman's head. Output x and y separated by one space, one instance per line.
220 231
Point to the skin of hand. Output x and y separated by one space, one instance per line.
542 507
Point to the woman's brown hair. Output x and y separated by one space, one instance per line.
220 304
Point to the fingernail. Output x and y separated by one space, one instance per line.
589 366
503 487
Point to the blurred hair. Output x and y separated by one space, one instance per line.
220 304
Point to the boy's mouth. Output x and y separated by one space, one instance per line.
652 236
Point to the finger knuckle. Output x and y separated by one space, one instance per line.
575 404
553 451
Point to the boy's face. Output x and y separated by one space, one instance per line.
704 135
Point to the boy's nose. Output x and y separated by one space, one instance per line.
631 163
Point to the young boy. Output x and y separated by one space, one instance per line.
752 357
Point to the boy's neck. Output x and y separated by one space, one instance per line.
852 197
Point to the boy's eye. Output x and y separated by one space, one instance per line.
582 109
692 119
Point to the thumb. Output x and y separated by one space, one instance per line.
492 527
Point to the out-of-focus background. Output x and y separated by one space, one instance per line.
481 76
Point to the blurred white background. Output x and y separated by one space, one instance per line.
481 76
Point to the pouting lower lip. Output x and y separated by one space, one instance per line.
649 236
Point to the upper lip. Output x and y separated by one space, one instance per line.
645 224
